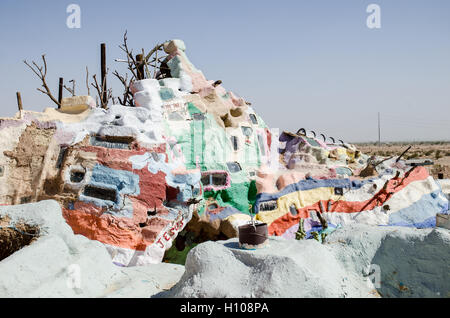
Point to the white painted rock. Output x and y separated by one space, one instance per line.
61 264
149 84
408 262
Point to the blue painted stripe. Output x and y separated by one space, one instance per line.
420 211
427 223
310 184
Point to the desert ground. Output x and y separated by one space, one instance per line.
438 151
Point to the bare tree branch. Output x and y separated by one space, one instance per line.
100 89
71 90
127 99
132 65
144 61
41 72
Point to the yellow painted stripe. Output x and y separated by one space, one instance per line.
300 199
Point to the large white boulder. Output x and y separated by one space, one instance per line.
61 264
356 261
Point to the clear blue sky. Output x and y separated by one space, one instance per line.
311 64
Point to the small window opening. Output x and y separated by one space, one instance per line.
219 179
76 176
215 179
268 206
100 193
114 142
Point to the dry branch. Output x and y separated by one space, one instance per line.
101 90
127 99
41 72
132 65
71 90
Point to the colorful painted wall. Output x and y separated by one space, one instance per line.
132 178
320 187
192 162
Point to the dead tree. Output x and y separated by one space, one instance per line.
145 60
101 91
41 72
127 98
132 64
139 68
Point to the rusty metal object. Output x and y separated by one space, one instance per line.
253 234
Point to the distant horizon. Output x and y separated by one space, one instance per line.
400 141
316 65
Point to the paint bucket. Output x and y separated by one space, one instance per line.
253 235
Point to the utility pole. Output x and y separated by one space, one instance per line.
379 130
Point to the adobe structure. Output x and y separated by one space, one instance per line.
192 162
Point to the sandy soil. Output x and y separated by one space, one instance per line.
438 151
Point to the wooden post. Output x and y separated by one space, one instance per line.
19 101
60 92
104 100
140 66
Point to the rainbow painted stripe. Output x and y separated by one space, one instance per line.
412 200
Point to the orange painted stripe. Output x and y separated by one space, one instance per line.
115 231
